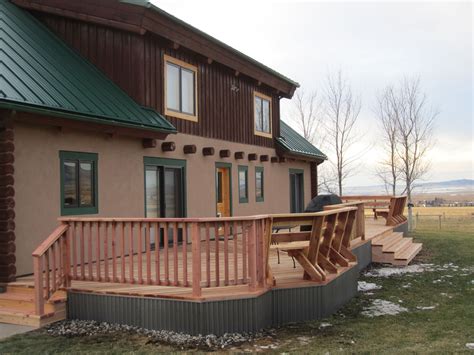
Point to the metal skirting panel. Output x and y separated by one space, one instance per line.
214 317
364 255
312 303
274 308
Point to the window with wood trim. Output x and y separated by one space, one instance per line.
180 89
78 172
243 184
259 184
262 115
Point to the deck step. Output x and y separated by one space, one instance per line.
387 239
407 255
398 246
17 306
387 235
394 240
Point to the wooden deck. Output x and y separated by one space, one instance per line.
287 273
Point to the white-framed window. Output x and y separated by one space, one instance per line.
262 114
180 89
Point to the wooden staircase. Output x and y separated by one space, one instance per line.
392 248
17 306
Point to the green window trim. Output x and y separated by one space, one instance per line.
243 168
259 169
166 162
79 156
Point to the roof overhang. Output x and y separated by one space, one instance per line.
284 152
75 122
141 17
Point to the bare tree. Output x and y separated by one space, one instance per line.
407 123
307 114
388 112
342 112
415 125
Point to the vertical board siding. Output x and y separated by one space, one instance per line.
135 64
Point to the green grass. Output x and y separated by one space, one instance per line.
447 328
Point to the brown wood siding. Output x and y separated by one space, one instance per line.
135 63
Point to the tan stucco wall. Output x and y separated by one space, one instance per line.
121 179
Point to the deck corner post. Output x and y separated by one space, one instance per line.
196 257
38 277
66 257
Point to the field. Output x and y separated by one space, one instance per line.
435 301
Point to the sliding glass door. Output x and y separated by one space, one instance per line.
164 192
296 191
164 189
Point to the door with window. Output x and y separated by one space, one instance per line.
223 191
164 188
296 191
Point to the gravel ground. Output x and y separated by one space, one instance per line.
80 328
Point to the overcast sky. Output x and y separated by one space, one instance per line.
374 44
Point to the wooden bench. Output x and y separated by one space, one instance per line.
389 207
323 249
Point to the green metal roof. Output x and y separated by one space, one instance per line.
292 142
40 73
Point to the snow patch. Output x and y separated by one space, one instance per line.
325 325
383 308
470 346
425 308
395 271
363 286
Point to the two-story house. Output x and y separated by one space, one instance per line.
117 108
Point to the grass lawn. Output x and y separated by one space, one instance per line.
445 328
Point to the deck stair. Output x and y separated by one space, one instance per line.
17 306
393 248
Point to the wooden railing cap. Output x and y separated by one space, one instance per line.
53 237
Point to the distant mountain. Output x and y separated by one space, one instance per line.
451 186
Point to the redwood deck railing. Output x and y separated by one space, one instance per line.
195 253
184 252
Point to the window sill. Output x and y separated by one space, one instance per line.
182 116
263 134
78 211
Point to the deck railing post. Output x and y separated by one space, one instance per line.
196 256
66 257
252 243
38 276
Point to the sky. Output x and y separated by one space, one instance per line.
374 44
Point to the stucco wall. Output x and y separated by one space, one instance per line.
121 179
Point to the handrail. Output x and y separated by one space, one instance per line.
52 238
369 197
51 266
164 220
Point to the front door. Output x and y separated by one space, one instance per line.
296 191
223 200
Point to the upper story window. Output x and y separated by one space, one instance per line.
78 183
262 115
180 89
